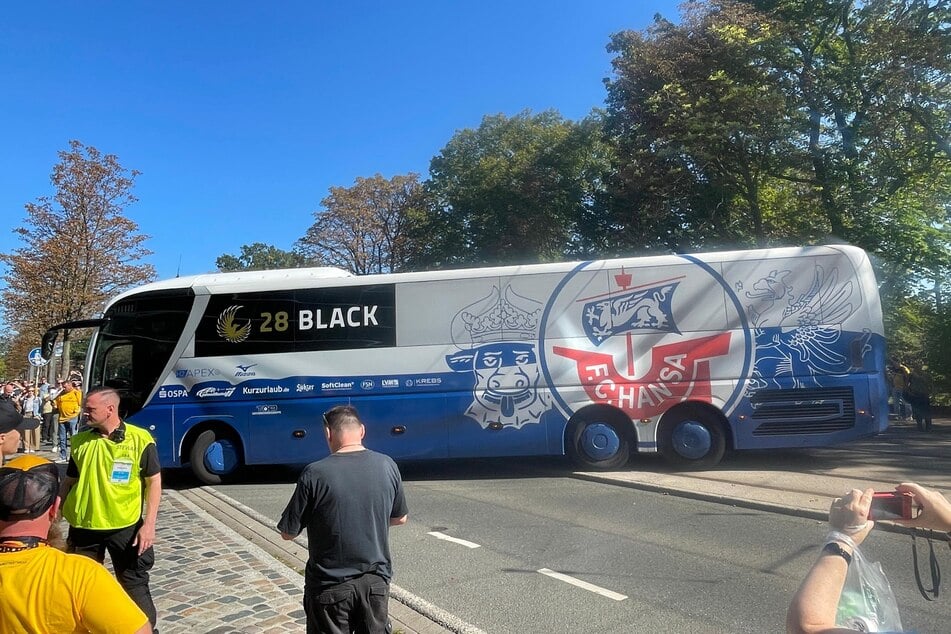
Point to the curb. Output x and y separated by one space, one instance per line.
755 505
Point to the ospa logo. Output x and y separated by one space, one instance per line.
646 339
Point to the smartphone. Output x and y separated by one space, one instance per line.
890 505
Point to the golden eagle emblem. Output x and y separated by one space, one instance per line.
228 329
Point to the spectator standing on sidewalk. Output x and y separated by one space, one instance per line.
114 466
50 417
918 395
69 404
899 379
31 423
347 502
44 589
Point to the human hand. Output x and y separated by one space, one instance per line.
145 537
849 514
935 509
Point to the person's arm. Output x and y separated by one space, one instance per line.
153 497
813 607
67 484
298 510
398 521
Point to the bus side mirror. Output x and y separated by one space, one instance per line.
46 348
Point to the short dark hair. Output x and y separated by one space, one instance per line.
102 390
337 418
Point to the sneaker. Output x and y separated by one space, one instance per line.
62 461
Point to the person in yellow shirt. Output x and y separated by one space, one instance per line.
44 589
69 404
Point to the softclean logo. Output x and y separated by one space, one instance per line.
229 329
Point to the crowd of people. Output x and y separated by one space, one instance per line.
50 411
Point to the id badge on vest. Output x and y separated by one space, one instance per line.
121 471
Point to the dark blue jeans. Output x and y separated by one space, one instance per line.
67 429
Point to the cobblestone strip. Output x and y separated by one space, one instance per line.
207 579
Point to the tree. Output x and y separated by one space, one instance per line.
701 126
516 189
363 228
260 257
79 248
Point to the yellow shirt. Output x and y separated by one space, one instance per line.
46 591
69 404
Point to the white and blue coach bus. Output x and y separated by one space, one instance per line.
686 355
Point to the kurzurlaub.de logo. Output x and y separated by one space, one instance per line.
228 329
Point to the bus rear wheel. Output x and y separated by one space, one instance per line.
691 437
599 441
214 457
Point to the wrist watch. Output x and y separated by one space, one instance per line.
835 548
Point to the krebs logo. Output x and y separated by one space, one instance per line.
678 371
507 379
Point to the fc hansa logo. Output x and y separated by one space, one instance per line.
228 328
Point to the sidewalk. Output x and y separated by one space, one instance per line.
209 578
803 483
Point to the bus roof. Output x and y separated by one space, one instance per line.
284 279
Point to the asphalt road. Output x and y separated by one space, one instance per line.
655 563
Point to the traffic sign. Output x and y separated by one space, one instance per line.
36 358
58 349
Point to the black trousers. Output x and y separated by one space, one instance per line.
355 606
132 569
49 426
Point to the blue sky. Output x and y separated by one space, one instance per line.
241 115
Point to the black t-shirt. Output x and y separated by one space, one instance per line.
345 502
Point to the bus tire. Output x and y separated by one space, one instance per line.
599 440
691 436
214 457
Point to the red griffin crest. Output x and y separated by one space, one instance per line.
678 371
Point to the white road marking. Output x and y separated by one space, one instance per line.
454 540
583 584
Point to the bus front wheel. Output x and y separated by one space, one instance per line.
214 457
599 442
691 437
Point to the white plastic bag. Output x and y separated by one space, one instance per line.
867 603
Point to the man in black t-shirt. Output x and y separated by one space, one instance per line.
347 502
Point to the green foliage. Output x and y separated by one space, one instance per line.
260 257
516 189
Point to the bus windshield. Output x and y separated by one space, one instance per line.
135 343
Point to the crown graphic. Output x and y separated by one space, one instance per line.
501 316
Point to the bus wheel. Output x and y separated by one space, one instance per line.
691 436
214 457
599 442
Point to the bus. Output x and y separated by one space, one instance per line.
686 355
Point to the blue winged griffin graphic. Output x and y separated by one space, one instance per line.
798 335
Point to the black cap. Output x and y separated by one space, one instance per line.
28 487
